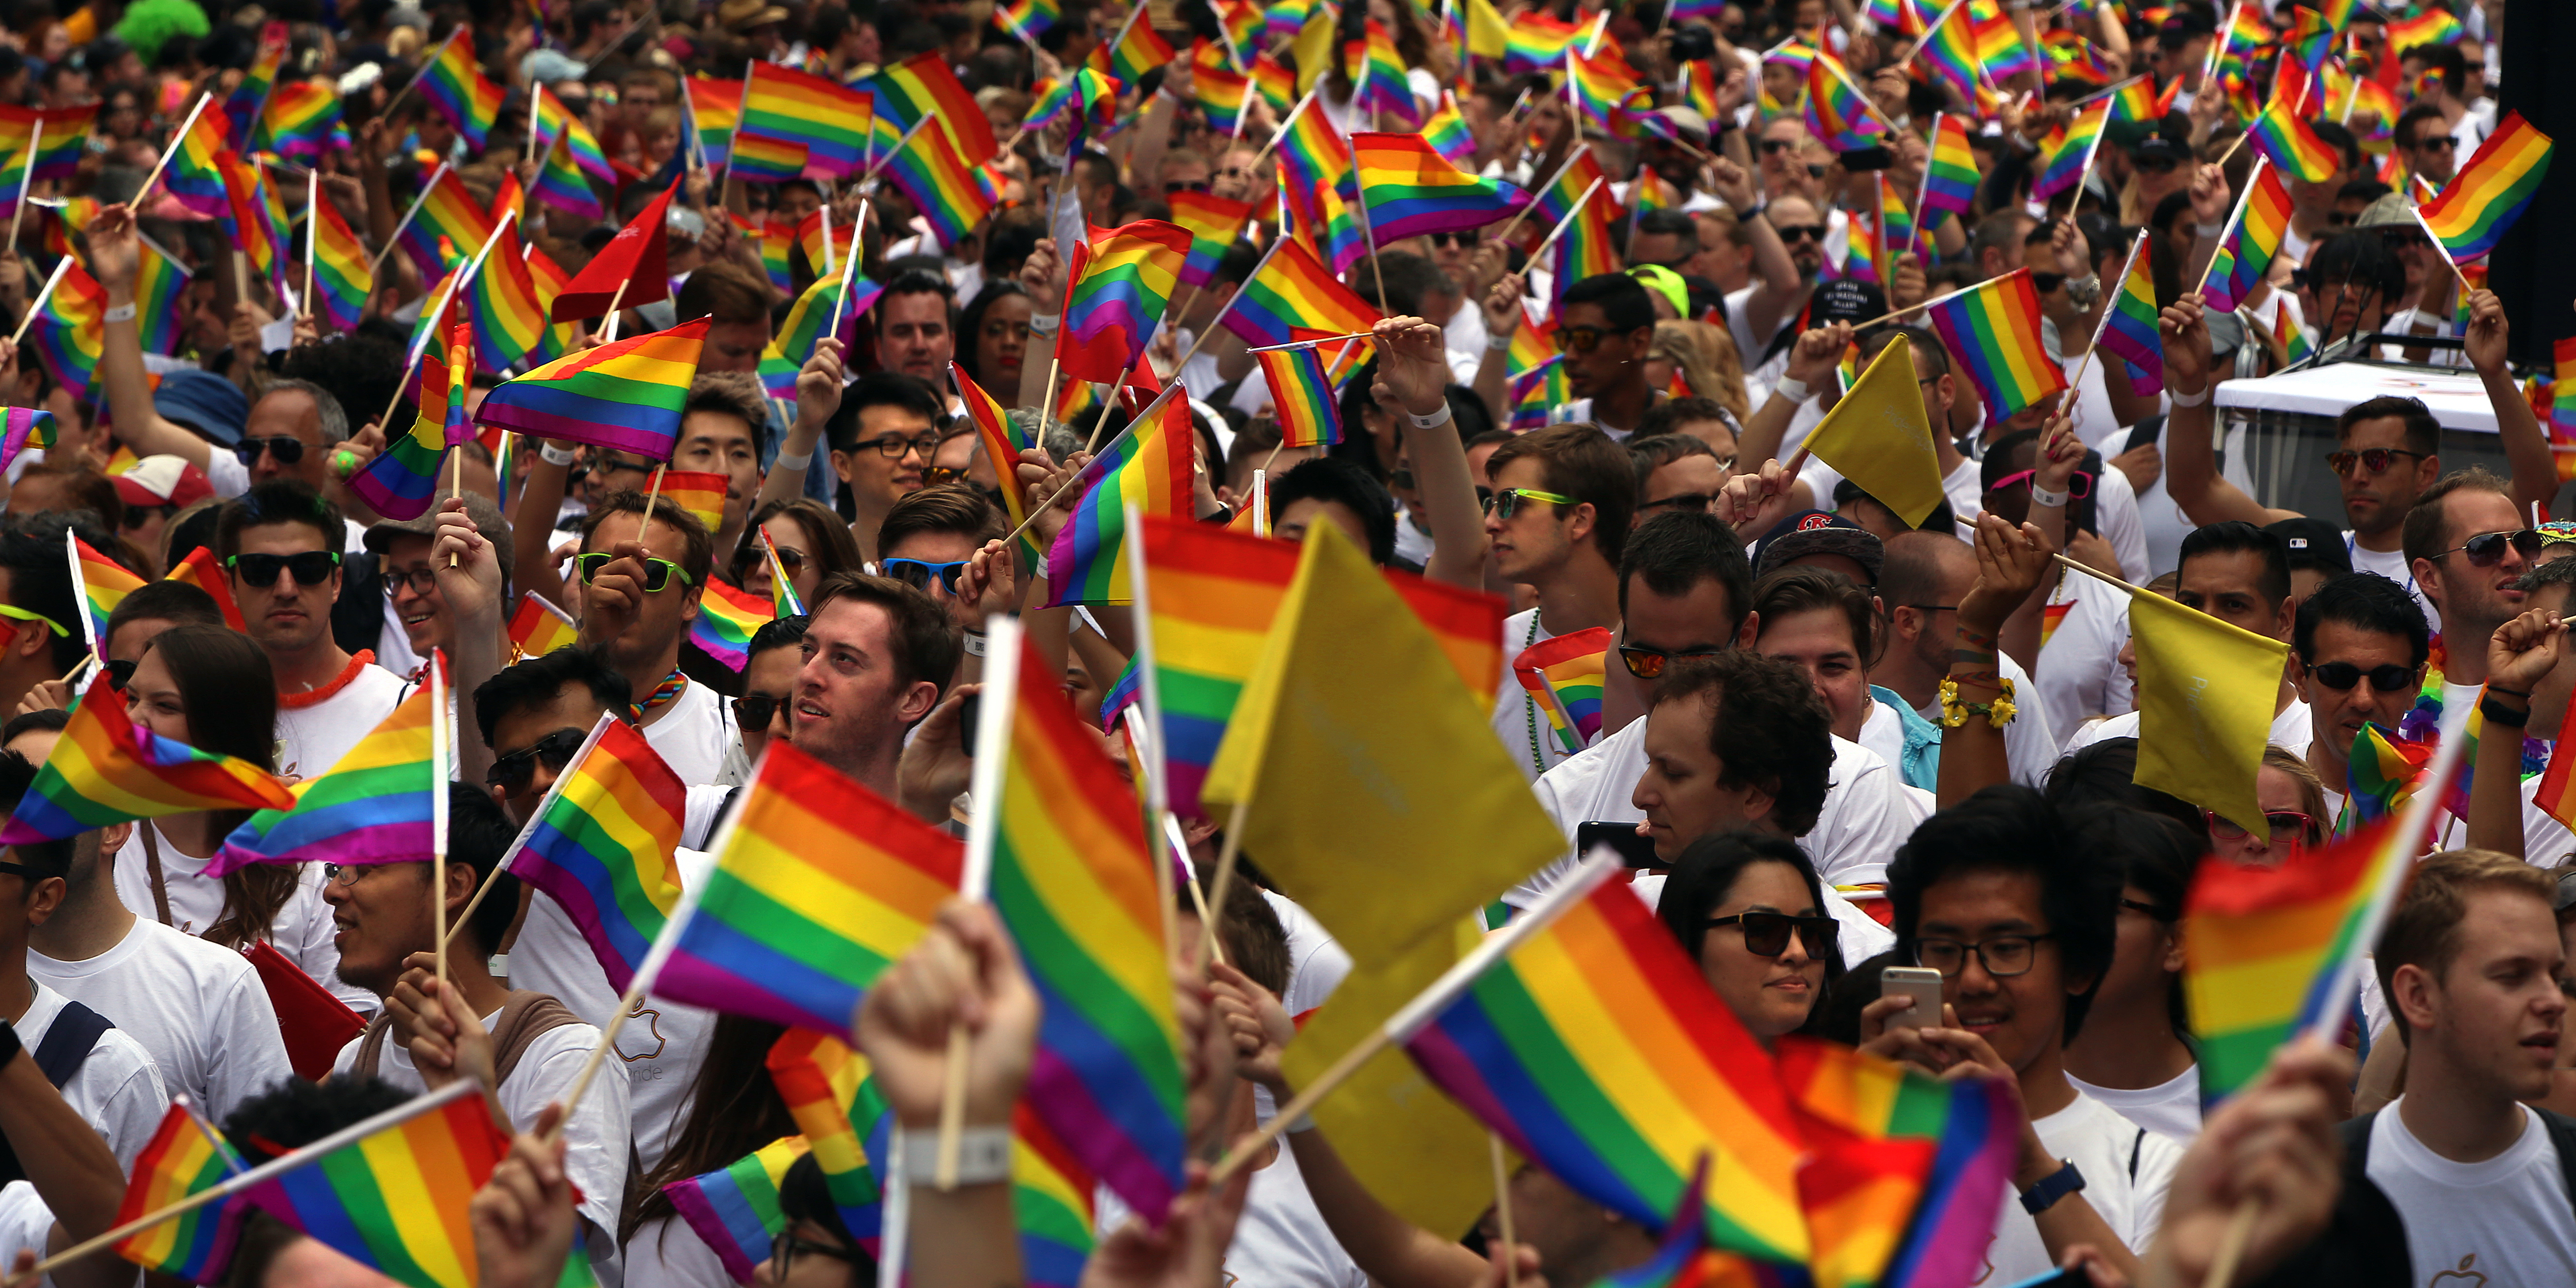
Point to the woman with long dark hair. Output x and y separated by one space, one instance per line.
734 1109
1750 911
813 545
212 689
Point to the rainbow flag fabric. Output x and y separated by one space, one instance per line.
106 769
819 886
1002 446
735 1208
2491 191
2130 332
601 846
343 272
830 121
698 492
396 1201
1411 190
2068 151
556 123
727 619
460 91
69 332
447 212
2245 253
562 185
1620 1110
2431 27
1950 174
1565 674
1837 112
401 482
1074 882
1219 91
2286 140
758 158
303 119
1447 132
1908 1171
25 427
1138 50
2379 776
1215 224
625 395
1121 283
539 628
158 284
194 177
372 807
507 307
2555 793
200 570
1949 52
1536 42
952 193
1995 331
923 86
715 107
1148 467
1301 397
102 582
1683 1259
834 1101
183 1159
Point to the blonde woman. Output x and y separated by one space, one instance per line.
1705 355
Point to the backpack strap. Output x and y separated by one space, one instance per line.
371 1047
152 866
66 1047
2562 1135
525 1016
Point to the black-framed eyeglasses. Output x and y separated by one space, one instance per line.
1647 663
2374 459
1681 502
309 567
421 580
346 874
512 772
789 557
918 574
285 449
2003 956
895 446
755 710
657 572
2486 549
1766 934
20 871
787 1247
2387 677
1794 232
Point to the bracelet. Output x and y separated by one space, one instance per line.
974 643
2499 714
2042 496
120 313
553 455
1793 389
983 1156
2510 693
1998 713
1432 421
2181 399
2218 229
1498 341
1045 323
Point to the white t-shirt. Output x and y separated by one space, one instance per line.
2126 1169
661 1045
117 1088
2170 1108
302 931
667 1253
25 1222
311 739
595 1136
698 814
2393 565
2030 741
198 1010
2505 1220
2079 661
696 737
1518 719
1281 1242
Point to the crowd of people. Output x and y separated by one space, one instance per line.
1830 741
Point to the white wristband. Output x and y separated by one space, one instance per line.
1793 389
554 455
1045 323
2181 399
1498 341
2210 230
983 1156
1433 421
2042 496
121 313
974 643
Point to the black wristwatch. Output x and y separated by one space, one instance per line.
9 1044
2057 1185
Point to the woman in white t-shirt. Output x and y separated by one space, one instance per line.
212 689
733 1109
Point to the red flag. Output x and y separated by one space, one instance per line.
636 259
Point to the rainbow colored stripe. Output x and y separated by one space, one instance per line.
1994 330
1149 467
105 769
372 807
102 582
194 178
1002 446
1294 298
830 121
69 332
1275 83
25 427
1413 191
2068 151
343 273
396 1201
2245 253
562 185
460 91
1836 110
556 123
1907 1172
835 1102
2130 331
1538 391
539 628
1218 89
1122 281
1378 84
251 221
601 847
1447 132
1566 674
303 119
735 1208
2431 27
820 885
200 570
1138 50
1073 881
2491 191
2287 141
1588 246
727 619
951 193
1536 43
758 158
183 1159
816 315
1949 52
921 87
1950 175
2379 776
448 212
715 106
508 312
1301 397
626 395
402 481
1215 224
699 492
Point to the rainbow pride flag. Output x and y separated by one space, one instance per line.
562 185
1052 1203
1684 1259
105 769
1149 467
1447 132
625 395
2490 192
775 239
556 123
251 220
1557 200
183 1159
402 481
1536 42
1595 1048
1215 224
460 91
1378 83
2067 153
25 427
735 1208
2285 138
1907 1171
819 885
1411 190
715 107
374 806
1837 112
1073 881
699 492
2379 776
2245 254
1587 243
816 315
1994 330
727 619
1565 674
1138 50
1607 93
193 176
1948 52
951 193
343 272
396 1201
1537 391
1293 297
507 307
2431 27
1219 91
158 284
601 846
1301 397
922 86
539 628
1950 174
1002 446
445 211
831 122
303 120
2555 793
1121 282
200 570
2130 330
1029 17
1275 83
102 583
835 1102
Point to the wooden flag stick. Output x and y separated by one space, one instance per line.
1503 1209
2110 302
312 197
655 496
1571 215
616 297
1103 423
1943 297
438 750
1220 885
1523 213
1285 122
880 162
37 305
1312 344
26 179
176 141
2231 1244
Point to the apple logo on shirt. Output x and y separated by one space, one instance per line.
653 1029
2466 1277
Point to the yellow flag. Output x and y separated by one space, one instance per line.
1378 796
1405 1140
1877 437
1485 29
2206 691
1313 46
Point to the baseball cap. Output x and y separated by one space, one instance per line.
204 402
1844 300
1818 533
478 507
163 480
2311 542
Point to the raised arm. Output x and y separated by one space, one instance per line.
1502 317
1413 378
2519 655
1812 359
2526 445
113 254
2011 562
71 1166
2191 459
818 395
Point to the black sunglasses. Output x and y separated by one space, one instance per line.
1792 232
2046 282
2486 549
119 673
1766 934
287 449
2374 459
754 710
311 567
2387 678
1649 663
514 771
1774 147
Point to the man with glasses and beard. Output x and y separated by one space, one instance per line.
280 544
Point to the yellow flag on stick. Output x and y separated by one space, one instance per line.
1348 769
1313 47
1878 437
2206 691
1485 29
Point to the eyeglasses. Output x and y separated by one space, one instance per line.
285 449
1453 239
2077 484
789 557
1794 232
919 575
896 446
1774 147
2003 956
346 874
657 572
1507 502
2046 282
2443 141
1685 502
787 1247
1577 339
512 772
311 567
754 710
119 673
2486 549
942 475
1184 185
2154 165
1647 663
2387 678
2281 821
1766 934
2374 459
421 580
21 871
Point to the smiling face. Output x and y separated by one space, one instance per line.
1771 995
1819 640
152 699
383 917
425 620
2022 1016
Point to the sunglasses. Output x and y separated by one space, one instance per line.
657 572
919 575
513 772
1453 239
285 449
1793 232
1774 147
2154 165
2486 549
1766 934
2280 820
2046 282
2443 141
754 710
1506 503
1577 339
311 567
1184 185
1648 663
2341 676
2375 459
119 673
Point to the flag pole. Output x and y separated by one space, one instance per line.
438 754
1523 212
1503 1208
1925 38
1570 215
993 723
2075 387
177 141
26 180
1284 124
528 829
880 162
37 305
394 238
312 224
414 83
1943 297
646 972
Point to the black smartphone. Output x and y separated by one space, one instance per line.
1864 160
970 713
1635 848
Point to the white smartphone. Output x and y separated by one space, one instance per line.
1920 983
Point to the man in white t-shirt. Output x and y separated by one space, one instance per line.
2460 1180
640 584
388 932
1562 497
281 544
2468 540
2239 574
2359 651
1996 894
69 1185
